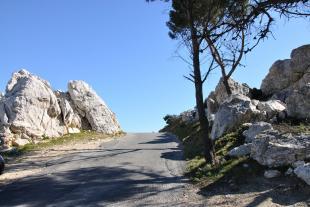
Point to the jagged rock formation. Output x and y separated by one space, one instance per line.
30 110
91 106
289 81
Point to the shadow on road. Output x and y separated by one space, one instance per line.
97 185
176 154
104 184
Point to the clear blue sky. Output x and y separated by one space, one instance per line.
122 49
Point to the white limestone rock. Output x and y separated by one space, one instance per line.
271 107
274 149
219 96
85 99
30 107
289 81
70 116
238 109
20 142
298 103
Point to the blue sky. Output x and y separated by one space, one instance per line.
121 48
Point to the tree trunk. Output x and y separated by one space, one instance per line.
226 84
204 123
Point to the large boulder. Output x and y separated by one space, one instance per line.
237 109
289 81
30 108
219 95
298 103
271 107
274 149
93 108
30 111
235 87
280 77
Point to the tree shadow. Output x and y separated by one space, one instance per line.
96 185
86 186
163 138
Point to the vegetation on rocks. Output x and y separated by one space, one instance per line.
197 169
231 170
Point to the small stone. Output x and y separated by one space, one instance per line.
73 130
289 171
272 173
245 165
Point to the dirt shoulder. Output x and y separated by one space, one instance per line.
33 159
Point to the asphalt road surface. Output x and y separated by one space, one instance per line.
136 170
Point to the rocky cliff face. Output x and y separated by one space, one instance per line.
31 110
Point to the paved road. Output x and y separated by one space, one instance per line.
137 170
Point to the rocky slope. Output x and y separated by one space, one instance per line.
30 110
284 97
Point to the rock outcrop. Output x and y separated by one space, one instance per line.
274 149
289 81
219 96
271 108
236 110
298 103
91 106
31 110
70 115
